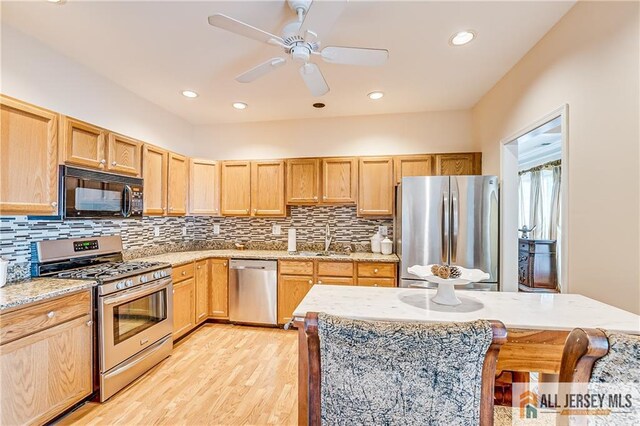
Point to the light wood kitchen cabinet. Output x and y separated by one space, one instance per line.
235 188
178 182
376 274
339 180
154 172
458 164
124 155
412 165
204 187
49 368
291 291
267 188
202 290
376 186
303 181
84 144
28 160
184 307
219 289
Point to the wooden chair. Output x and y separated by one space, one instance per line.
373 372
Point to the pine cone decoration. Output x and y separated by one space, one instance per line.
455 272
444 272
434 269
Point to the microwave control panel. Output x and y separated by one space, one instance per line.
136 200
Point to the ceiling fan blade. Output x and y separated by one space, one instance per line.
226 23
354 55
313 79
260 70
321 16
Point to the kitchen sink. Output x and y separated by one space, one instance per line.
319 254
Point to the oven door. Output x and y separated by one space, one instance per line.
132 320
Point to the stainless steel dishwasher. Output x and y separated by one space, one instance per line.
253 291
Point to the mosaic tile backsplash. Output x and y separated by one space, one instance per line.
138 236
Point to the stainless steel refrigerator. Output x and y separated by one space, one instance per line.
448 220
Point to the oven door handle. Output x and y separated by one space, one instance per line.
137 292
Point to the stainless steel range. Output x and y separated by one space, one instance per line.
134 304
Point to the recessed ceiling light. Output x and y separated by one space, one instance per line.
462 37
239 105
318 105
55 1
189 94
375 95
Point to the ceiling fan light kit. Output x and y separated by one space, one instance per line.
300 40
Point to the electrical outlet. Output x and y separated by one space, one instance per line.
277 230
184 231
156 231
216 229
383 230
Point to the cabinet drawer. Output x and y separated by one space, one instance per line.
377 282
32 319
289 267
335 269
377 270
182 272
336 280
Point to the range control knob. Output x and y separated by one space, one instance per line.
156 275
129 283
120 285
144 279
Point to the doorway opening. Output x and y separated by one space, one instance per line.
534 200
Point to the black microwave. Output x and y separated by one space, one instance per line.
87 194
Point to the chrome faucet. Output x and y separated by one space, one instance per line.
327 237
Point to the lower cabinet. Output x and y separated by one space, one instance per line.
202 290
184 307
219 289
291 291
48 369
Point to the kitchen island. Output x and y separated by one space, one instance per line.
537 324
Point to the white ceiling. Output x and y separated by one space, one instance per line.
541 145
157 49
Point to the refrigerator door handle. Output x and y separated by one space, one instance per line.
444 231
455 213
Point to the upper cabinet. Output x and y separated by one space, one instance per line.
84 144
204 187
178 183
413 165
154 172
235 189
267 188
376 186
303 181
28 160
469 163
123 154
339 180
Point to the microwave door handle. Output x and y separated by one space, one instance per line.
127 200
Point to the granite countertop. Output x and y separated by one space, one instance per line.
179 258
20 293
516 310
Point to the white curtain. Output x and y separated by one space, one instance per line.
539 196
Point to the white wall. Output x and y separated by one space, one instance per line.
589 60
448 131
33 72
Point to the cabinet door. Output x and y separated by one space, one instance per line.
339 180
235 189
84 144
47 372
303 181
124 154
202 290
267 188
184 307
154 172
375 187
219 300
28 159
291 291
204 187
178 185
458 164
413 165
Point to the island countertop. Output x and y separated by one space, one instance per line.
537 311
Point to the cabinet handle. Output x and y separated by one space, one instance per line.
361 209
199 267
255 210
114 163
375 271
319 282
51 314
324 197
224 264
184 272
89 323
375 285
103 161
246 210
310 281
54 204
315 198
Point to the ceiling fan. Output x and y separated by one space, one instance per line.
300 40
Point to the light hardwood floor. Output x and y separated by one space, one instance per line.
219 375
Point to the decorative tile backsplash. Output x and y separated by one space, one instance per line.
138 236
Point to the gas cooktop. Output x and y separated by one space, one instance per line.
111 270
